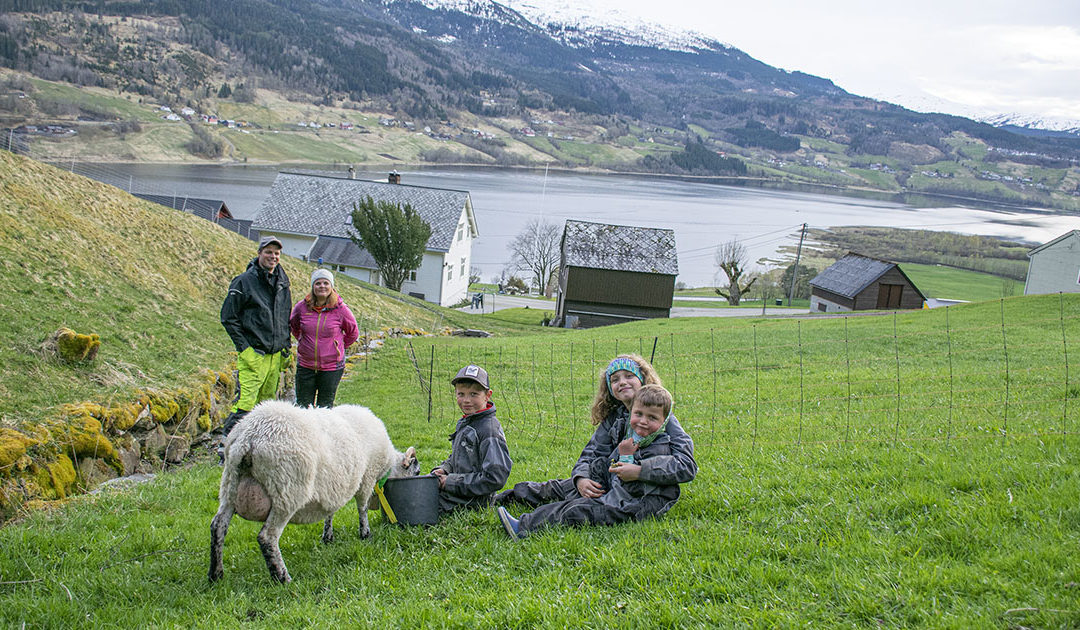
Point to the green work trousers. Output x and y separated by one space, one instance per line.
258 376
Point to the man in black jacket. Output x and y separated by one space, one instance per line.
256 316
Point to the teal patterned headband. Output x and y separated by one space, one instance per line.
622 363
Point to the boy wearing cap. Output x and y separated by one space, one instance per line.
479 462
256 316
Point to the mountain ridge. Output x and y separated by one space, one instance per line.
635 104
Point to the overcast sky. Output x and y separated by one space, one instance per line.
963 57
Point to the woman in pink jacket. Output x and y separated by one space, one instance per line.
323 326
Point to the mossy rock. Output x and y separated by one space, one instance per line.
73 347
163 407
83 437
13 446
54 480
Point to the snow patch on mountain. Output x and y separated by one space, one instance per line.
582 26
1032 121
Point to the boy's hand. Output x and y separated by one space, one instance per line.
626 472
588 488
627 447
441 474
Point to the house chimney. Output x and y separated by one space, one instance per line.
352 172
394 178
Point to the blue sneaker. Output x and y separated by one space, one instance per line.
510 524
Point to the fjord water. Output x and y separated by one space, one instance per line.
702 214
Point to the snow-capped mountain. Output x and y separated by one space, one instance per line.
579 26
585 25
1028 121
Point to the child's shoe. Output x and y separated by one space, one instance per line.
510 524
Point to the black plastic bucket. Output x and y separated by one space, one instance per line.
414 500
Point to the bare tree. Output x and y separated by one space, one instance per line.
731 259
536 249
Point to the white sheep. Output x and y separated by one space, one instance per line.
285 464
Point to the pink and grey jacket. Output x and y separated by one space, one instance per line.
322 335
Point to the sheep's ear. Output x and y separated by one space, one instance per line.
410 457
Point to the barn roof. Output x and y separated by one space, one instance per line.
322 205
853 273
206 208
619 248
1057 240
341 251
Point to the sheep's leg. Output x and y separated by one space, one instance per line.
362 505
328 530
218 528
268 542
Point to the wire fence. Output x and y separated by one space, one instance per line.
997 370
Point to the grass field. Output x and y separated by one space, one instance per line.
788 524
897 470
960 284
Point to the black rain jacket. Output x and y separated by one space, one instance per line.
256 310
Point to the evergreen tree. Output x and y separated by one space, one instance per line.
394 235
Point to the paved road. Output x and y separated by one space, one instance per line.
495 302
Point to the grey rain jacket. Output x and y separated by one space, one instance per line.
479 462
256 310
666 463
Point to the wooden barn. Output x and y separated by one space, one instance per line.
859 283
611 274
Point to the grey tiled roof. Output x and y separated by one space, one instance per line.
316 204
851 274
341 251
619 247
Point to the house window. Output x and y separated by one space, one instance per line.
1078 278
449 273
412 276
460 231
462 267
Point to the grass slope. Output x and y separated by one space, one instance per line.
940 281
976 531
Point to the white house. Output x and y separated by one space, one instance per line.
1055 266
312 216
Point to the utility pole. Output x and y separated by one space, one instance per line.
795 270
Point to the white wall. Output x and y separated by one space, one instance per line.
427 278
1056 268
816 302
458 259
293 245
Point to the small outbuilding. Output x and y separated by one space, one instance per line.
610 274
1055 266
859 283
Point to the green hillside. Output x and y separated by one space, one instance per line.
940 281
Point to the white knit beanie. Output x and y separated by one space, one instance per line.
322 273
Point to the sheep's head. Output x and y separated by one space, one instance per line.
409 465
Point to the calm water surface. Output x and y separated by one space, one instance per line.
702 214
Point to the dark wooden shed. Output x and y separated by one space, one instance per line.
611 274
859 283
